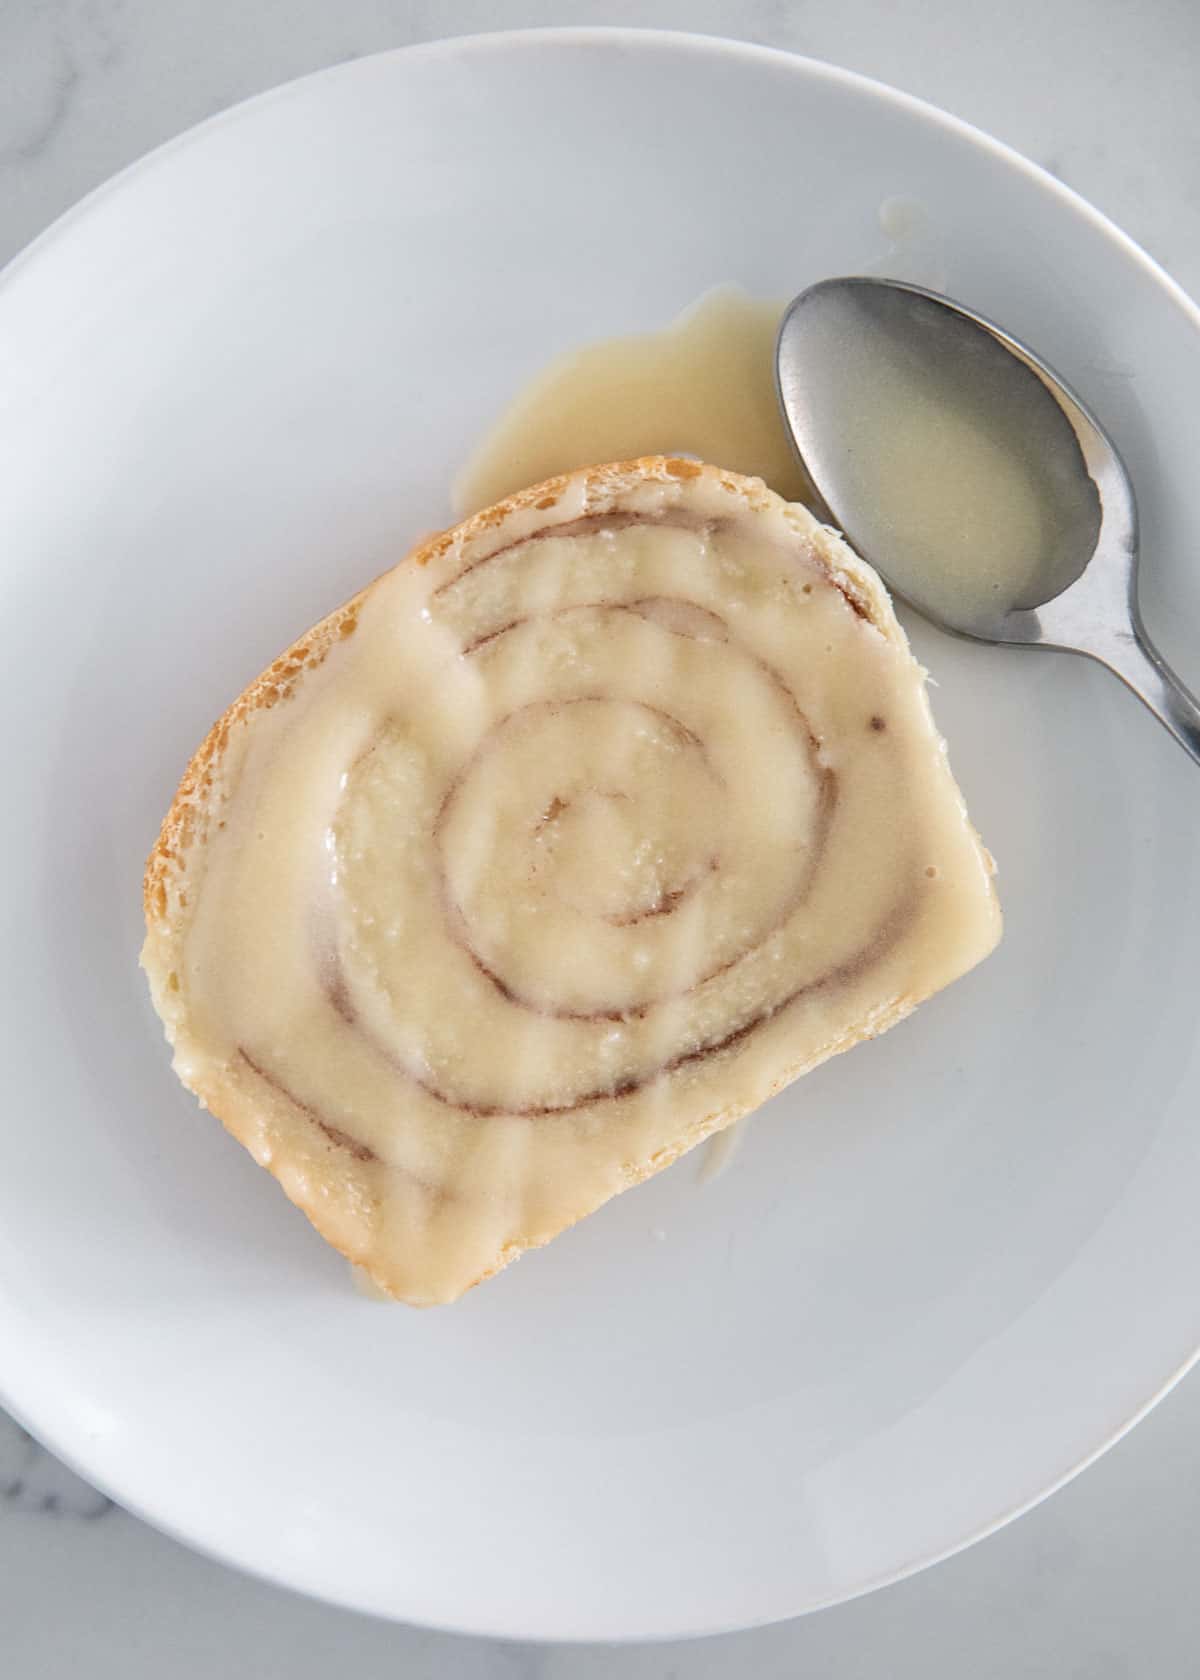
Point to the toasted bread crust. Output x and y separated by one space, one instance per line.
274 1128
190 811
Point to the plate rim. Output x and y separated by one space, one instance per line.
15 272
498 40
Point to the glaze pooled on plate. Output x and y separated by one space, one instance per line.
704 385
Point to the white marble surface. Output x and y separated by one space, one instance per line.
1098 1583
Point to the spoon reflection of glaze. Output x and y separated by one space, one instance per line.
965 470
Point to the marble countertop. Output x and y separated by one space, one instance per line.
1096 1584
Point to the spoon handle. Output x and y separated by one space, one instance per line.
1134 658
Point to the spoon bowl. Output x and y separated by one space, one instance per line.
969 474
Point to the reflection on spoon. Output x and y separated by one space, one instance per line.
955 469
971 477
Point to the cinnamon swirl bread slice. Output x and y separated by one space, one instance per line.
567 842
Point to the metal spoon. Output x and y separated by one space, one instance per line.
862 362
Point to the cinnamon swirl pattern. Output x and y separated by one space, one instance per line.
569 841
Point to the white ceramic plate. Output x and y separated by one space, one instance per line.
944 1271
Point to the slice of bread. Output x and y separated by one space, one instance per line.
561 846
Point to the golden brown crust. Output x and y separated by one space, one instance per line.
271 1126
187 819
186 822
